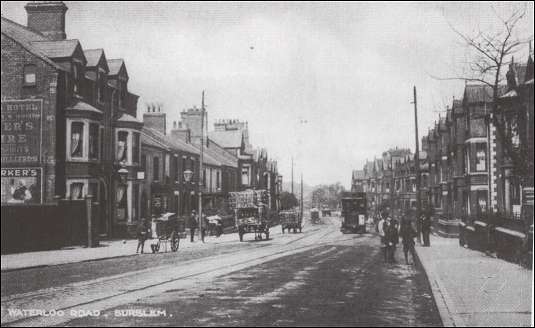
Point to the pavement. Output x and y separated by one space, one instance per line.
106 250
473 289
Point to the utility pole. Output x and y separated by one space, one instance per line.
292 176
417 166
301 203
201 173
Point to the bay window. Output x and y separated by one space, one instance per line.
122 146
77 139
93 141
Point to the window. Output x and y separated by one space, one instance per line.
76 77
204 178
175 169
482 200
121 199
122 146
218 184
466 160
135 148
143 162
77 139
93 141
245 176
481 157
77 190
156 168
29 75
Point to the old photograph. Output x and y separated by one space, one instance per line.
258 163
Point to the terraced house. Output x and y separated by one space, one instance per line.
69 126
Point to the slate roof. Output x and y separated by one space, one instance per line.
128 118
57 49
480 93
24 36
83 106
115 65
93 57
170 143
227 138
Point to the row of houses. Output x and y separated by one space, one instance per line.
471 163
70 129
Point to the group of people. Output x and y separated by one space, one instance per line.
390 231
143 229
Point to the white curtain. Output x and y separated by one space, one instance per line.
75 142
121 150
76 190
120 193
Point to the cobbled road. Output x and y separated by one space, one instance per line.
320 277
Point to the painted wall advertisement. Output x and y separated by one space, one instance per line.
21 185
21 131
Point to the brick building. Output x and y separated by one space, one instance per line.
69 126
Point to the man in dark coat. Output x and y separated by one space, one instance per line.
426 226
407 233
142 234
391 238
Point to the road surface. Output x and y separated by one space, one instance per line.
320 277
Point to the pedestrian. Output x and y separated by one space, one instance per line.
204 227
426 227
192 225
391 239
407 233
142 233
381 232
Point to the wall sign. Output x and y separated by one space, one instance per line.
21 131
21 185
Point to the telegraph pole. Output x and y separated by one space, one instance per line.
201 173
301 196
417 166
292 176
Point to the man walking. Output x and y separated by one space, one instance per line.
142 233
407 233
426 227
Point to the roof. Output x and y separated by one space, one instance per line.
128 118
115 65
24 36
167 141
221 154
228 138
480 93
93 57
83 106
57 49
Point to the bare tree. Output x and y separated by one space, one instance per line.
489 53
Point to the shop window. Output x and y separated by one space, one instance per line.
122 146
77 139
93 141
481 157
30 78
122 203
77 190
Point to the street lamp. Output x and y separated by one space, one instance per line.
187 177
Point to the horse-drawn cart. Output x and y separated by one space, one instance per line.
290 220
250 213
165 233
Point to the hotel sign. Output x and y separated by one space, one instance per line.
22 131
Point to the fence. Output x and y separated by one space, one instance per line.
46 226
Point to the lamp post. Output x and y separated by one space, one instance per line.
187 178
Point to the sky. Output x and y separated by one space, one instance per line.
327 84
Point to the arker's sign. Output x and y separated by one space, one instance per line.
22 131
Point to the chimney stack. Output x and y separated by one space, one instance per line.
48 18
